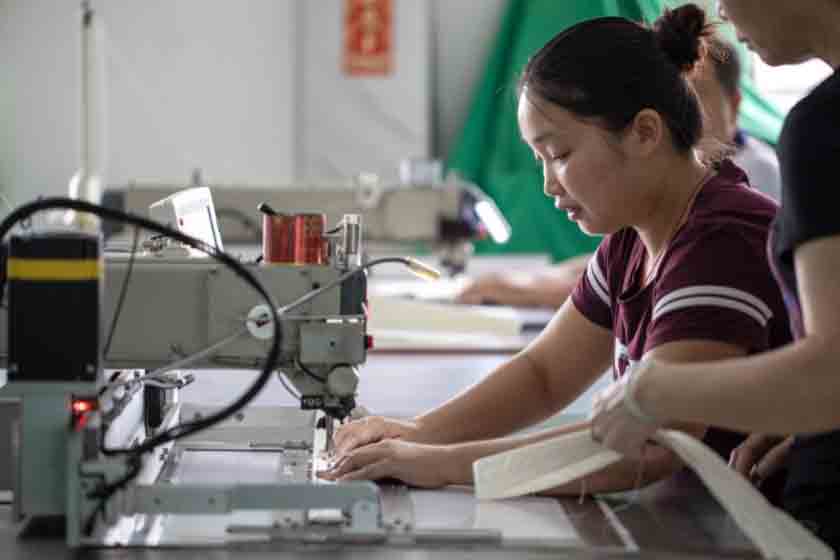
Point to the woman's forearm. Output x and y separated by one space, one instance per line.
567 357
794 389
512 397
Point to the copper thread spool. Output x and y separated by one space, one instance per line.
294 239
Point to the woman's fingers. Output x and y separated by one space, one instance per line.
773 460
744 457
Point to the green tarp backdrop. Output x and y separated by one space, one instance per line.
490 153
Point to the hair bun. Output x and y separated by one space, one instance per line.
680 33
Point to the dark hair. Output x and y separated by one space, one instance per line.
725 61
611 68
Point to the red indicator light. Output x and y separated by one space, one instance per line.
83 406
81 412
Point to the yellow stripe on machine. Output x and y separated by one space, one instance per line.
54 269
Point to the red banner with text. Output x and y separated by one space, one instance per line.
368 37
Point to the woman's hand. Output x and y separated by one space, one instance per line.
617 420
371 429
424 466
760 456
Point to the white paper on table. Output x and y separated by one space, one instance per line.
443 290
392 339
395 313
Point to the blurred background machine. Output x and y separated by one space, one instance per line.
442 217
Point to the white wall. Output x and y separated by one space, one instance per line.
350 125
176 99
38 135
184 91
198 83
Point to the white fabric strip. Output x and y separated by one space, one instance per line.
596 280
569 457
724 292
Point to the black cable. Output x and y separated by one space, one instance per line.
105 493
182 430
123 292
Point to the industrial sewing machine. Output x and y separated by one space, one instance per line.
446 217
166 312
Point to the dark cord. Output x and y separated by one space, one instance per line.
27 210
105 493
123 292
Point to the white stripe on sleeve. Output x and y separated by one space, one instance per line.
596 280
721 292
698 301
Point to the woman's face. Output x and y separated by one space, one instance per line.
584 170
776 30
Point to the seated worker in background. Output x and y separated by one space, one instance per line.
716 83
717 86
680 276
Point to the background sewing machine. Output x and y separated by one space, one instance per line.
445 217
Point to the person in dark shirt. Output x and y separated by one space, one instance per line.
681 274
796 389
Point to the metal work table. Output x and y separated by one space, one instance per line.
675 518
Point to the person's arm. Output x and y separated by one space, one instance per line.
657 463
794 389
567 357
562 362
434 466
549 288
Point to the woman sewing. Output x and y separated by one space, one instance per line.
681 275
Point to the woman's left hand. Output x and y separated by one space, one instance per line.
760 456
616 424
421 465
